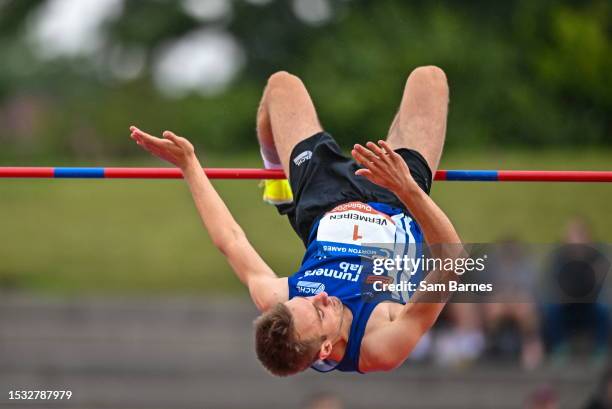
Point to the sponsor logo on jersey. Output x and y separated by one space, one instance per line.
364 207
359 211
302 157
310 287
346 271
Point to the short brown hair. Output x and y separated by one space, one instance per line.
277 345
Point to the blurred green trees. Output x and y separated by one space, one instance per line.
521 73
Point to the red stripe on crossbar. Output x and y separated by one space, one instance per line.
21 172
554 176
174 173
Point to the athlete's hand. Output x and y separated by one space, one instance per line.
172 148
383 166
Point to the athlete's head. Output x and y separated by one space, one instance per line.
292 335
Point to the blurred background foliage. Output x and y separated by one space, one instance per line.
522 73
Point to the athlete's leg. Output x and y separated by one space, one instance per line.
420 123
285 117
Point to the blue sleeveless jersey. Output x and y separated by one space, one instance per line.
340 244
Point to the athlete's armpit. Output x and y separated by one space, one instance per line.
266 291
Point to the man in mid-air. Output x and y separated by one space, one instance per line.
319 317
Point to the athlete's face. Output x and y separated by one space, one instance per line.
317 316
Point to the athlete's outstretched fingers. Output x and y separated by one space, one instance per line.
388 149
145 143
378 164
134 135
384 147
176 141
138 132
152 140
150 143
179 141
394 156
365 153
359 157
374 171
171 136
367 173
147 138
141 136
363 172
383 166
174 138
364 157
382 155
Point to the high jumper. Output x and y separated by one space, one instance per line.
318 317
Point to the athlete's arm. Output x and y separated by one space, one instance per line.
390 345
265 287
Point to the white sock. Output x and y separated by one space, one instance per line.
267 163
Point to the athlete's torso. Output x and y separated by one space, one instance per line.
336 261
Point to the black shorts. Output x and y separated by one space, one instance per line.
321 178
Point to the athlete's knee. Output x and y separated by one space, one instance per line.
430 76
282 80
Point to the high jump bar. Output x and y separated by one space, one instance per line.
249 173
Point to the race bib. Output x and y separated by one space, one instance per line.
358 229
356 223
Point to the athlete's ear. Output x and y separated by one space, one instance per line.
326 349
